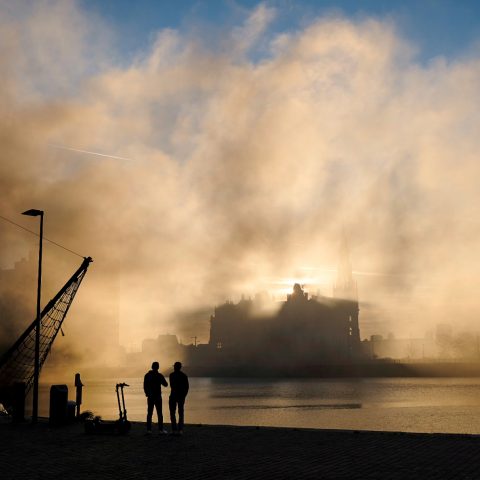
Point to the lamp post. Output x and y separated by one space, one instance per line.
36 370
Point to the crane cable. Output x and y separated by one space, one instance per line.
44 238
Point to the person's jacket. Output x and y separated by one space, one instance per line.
179 384
152 383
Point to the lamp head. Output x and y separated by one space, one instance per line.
33 213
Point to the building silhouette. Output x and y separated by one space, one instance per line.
17 299
304 331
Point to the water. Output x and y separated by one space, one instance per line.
394 404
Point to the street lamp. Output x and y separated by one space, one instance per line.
36 370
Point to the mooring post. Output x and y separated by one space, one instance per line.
78 398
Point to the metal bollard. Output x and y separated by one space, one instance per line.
78 398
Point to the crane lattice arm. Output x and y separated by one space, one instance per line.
17 365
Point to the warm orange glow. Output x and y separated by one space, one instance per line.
242 173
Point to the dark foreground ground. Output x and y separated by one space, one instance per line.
210 452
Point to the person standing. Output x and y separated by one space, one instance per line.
152 386
179 390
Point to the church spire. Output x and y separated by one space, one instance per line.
345 286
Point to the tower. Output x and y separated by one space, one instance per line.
345 286
345 290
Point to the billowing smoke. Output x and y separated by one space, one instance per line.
239 167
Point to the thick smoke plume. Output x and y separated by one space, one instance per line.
240 165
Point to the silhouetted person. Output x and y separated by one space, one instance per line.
152 386
179 390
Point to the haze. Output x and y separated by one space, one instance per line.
236 158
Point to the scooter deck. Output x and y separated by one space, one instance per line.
100 427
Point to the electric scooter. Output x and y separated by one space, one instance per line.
117 427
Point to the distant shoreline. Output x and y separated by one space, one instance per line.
373 369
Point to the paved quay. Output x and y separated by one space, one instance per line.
211 452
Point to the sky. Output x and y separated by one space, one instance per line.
436 27
201 150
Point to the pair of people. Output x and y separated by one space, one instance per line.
152 386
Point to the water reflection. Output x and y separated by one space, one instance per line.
399 404
328 406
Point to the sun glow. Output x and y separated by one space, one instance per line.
318 280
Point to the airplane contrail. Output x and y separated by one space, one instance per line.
88 152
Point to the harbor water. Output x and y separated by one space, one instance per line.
449 405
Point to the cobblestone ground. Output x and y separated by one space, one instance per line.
210 452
